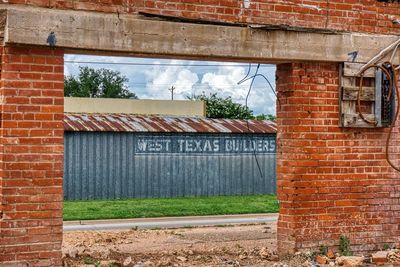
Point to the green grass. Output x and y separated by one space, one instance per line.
165 207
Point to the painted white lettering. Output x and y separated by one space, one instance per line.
228 146
197 147
207 146
181 145
265 146
216 145
259 146
189 146
142 145
167 145
272 145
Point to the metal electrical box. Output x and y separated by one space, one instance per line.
376 106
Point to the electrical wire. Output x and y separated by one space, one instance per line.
392 83
159 64
247 107
360 89
253 78
227 86
397 168
394 52
246 78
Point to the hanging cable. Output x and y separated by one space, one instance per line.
360 89
392 84
247 107
253 78
158 64
392 125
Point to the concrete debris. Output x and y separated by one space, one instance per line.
127 262
380 257
274 257
265 253
180 258
350 261
242 257
148 264
197 247
321 259
73 253
330 254
394 256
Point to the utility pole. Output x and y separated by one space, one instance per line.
172 89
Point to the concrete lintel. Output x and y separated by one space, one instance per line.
132 35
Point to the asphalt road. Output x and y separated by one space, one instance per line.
169 222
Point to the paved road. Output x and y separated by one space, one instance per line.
170 222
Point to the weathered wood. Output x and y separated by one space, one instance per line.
353 69
348 81
132 35
355 121
348 107
349 116
351 93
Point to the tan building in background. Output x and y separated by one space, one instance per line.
133 106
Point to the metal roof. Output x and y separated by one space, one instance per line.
75 122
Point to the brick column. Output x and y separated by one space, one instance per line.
331 181
31 103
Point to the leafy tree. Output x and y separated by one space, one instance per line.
218 107
97 83
224 108
263 117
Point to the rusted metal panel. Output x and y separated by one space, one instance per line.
156 124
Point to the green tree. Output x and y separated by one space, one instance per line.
97 83
224 108
263 117
218 107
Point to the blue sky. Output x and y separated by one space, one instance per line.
151 78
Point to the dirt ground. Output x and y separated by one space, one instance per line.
244 245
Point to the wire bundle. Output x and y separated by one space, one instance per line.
389 71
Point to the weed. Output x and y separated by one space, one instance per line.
386 246
222 225
238 246
310 255
323 250
88 260
344 246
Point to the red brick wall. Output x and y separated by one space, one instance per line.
31 93
352 15
331 181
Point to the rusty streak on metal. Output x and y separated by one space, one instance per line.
137 123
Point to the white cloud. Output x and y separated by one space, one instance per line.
225 83
161 78
154 80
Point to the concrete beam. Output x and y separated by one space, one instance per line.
132 35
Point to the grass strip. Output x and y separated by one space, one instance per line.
169 207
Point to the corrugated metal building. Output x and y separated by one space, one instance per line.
116 156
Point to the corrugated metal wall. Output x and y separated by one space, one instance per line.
107 165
